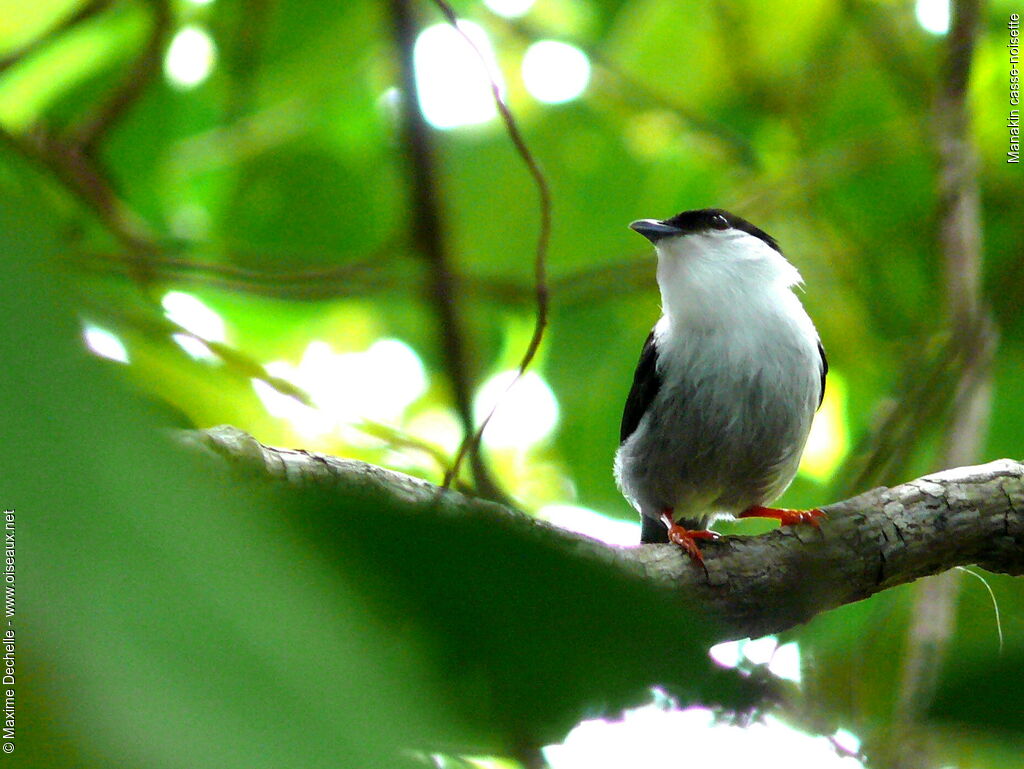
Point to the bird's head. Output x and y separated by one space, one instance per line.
710 245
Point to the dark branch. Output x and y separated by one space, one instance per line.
83 180
371 274
97 126
72 158
445 291
540 257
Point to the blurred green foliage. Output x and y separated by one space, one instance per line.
173 619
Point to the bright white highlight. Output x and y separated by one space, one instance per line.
591 523
105 344
347 388
510 9
525 415
190 58
785 662
933 15
453 84
639 739
555 72
727 654
192 315
195 348
760 650
847 740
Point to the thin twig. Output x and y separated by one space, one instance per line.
160 328
98 124
85 182
427 234
924 398
472 443
72 159
402 440
583 286
369 273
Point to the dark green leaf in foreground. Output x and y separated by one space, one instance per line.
164 617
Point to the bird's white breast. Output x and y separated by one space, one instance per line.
740 381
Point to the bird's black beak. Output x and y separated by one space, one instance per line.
654 230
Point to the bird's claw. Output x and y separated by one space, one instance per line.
786 517
687 540
804 516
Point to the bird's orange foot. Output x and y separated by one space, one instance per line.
686 538
785 517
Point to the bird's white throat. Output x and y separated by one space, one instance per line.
706 276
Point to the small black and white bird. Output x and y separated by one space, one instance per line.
727 384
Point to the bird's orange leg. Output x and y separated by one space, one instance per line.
686 538
785 516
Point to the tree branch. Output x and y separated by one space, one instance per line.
116 104
751 585
79 175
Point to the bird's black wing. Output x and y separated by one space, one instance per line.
646 382
824 371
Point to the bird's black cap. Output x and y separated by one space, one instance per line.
700 220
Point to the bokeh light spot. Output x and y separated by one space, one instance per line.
510 9
378 384
525 414
190 58
453 84
591 523
195 348
555 72
847 740
192 315
104 343
727 654
638 739
933 15
760 650
785 662
829 441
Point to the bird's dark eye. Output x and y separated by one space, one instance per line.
719 222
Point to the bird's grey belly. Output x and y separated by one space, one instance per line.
718 444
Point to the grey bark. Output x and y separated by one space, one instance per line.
750 586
